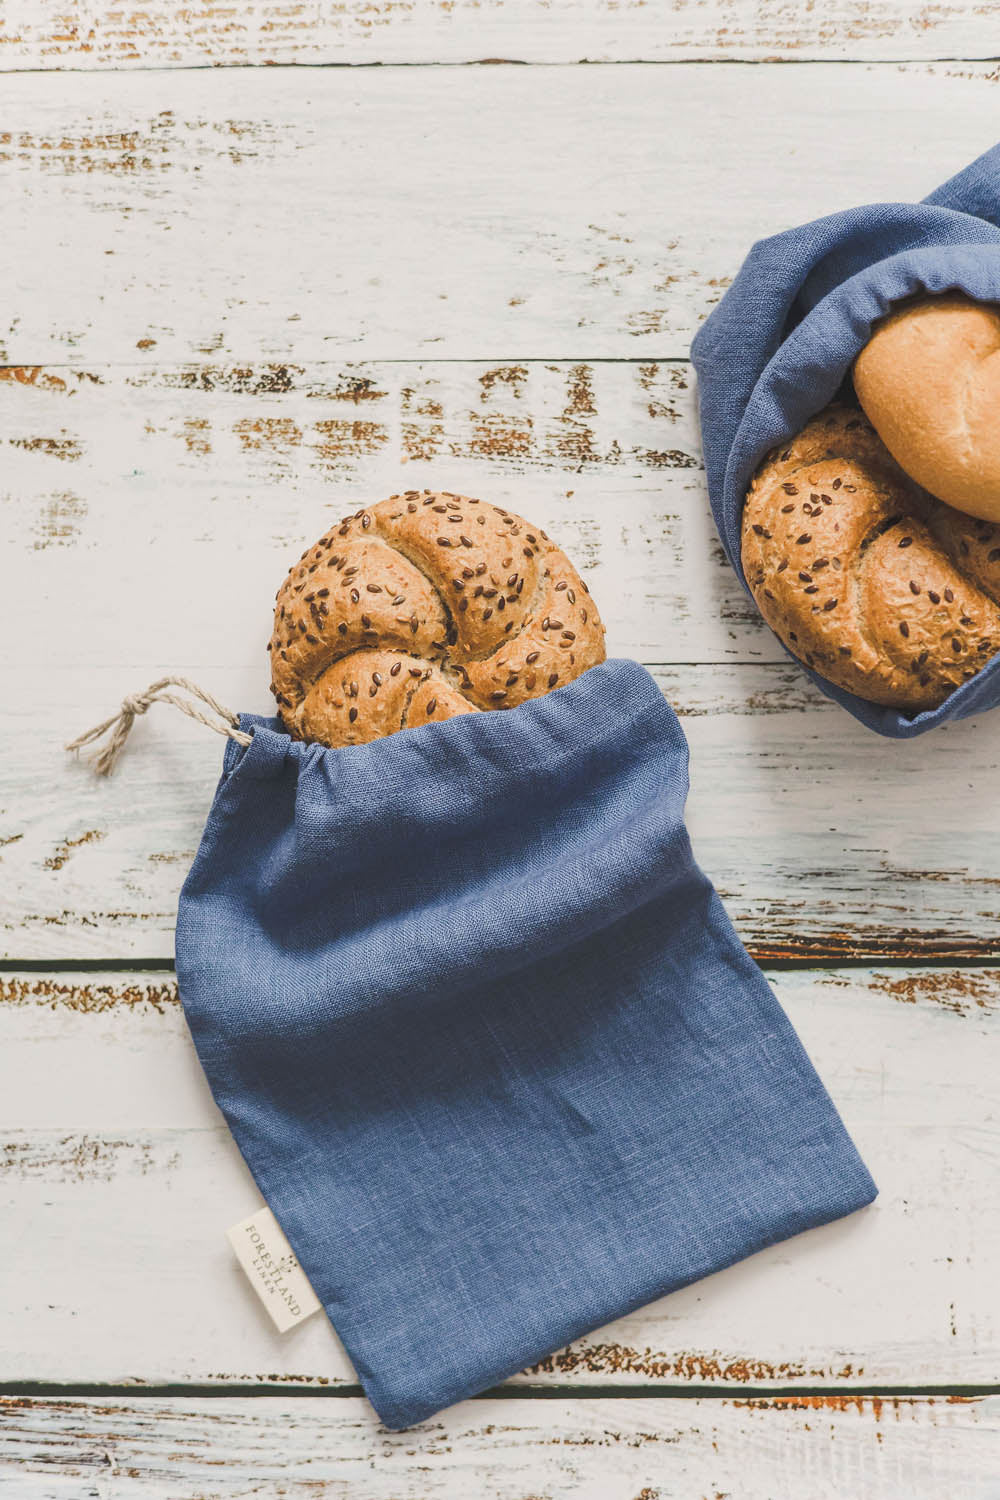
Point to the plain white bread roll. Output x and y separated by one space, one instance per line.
929 383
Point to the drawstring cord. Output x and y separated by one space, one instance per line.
135 704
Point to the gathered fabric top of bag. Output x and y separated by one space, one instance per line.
779 345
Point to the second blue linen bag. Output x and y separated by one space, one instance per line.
781 341
486 1038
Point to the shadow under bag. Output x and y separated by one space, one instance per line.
486 1038
785 335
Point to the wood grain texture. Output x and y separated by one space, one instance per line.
857 875
221 1449
121 1179
223 475
151 514
846 847
194 257
510 213
102 34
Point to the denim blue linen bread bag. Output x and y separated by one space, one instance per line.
484 1034
784 337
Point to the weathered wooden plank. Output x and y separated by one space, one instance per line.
823 841
120 1180
224 1448
509 212
222 475
101 34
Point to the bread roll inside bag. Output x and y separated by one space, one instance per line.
779 346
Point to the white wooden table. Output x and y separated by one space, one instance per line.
242 299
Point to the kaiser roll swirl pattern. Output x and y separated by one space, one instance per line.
873 583
423 607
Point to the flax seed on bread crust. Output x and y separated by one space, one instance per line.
422 607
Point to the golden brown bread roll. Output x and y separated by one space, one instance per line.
422 607
929 382
874 584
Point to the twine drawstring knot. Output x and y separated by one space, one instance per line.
133 704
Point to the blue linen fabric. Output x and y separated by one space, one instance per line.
781 341
486 1038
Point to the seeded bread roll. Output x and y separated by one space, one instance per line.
873 583
423 607
929 382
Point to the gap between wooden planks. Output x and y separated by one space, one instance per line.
49 34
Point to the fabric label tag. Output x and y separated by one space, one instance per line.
272 1270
